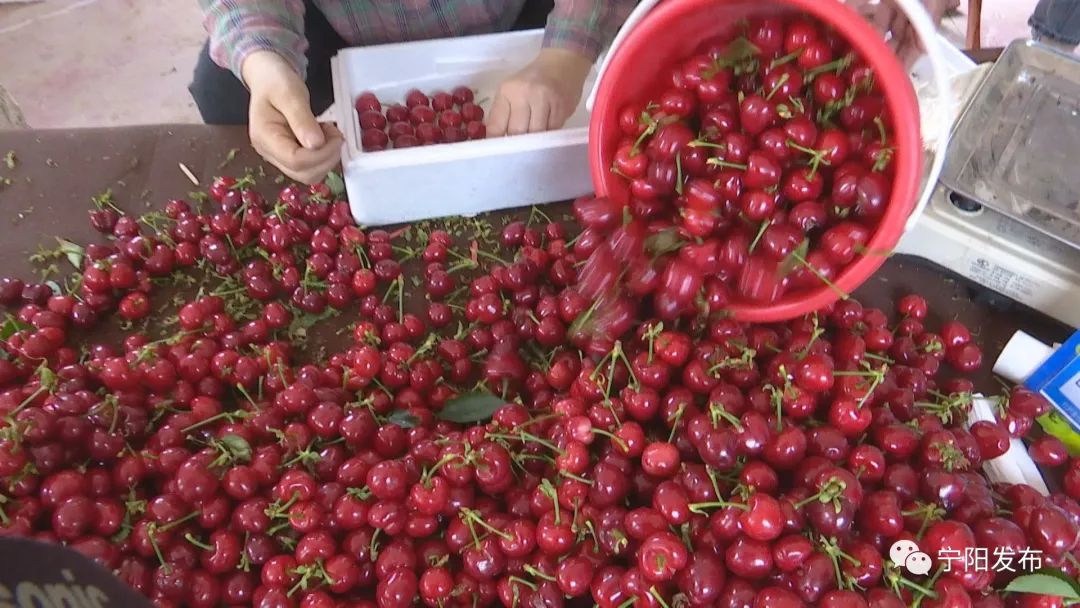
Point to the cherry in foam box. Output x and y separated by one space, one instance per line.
395 185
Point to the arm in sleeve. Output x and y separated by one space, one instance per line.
586 26
237 28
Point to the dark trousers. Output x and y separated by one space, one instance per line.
223 100
1058 20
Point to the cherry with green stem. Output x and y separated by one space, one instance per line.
651 333
829 493
723 164
653 591
550 491
717 412
189 537
832 549
875 375
802 261
836 65
817 157
762 227
744 361
526 437
311 576
784 78
153 528
792 56
928 512
472 518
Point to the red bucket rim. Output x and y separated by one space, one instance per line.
900 100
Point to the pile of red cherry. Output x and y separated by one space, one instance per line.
772 150
510 420
424 120
471 455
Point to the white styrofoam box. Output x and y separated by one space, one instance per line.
465 178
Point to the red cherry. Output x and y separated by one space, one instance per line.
991 438
767 34
764 519
1048 451
756 114
367 101
661 556
660 459
415 97
964 358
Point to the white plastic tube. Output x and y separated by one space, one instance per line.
1014 466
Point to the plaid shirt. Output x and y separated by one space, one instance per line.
239 27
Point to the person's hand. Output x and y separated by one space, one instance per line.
541 96
282 128
888 18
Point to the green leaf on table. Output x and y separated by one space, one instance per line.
302 322
403 419
473 407
73 252
335 183
55 287
229 157
1047 581
11 326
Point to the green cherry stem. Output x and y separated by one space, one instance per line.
716 162
535 572
701 507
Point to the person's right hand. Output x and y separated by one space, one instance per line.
282 128
888 18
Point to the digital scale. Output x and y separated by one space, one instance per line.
1006 211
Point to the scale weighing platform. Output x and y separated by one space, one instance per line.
1006 212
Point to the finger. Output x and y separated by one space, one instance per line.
937 10
520 114
499 117
912 47
297 111
331 131
881 16
862 7
539 116
559 114
318 173
311 175
276 144
899 26
556 118
264 128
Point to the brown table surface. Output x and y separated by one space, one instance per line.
58 171
984 55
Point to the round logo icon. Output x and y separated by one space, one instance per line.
906 554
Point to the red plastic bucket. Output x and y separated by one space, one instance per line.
673 30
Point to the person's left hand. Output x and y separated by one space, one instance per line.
541 96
